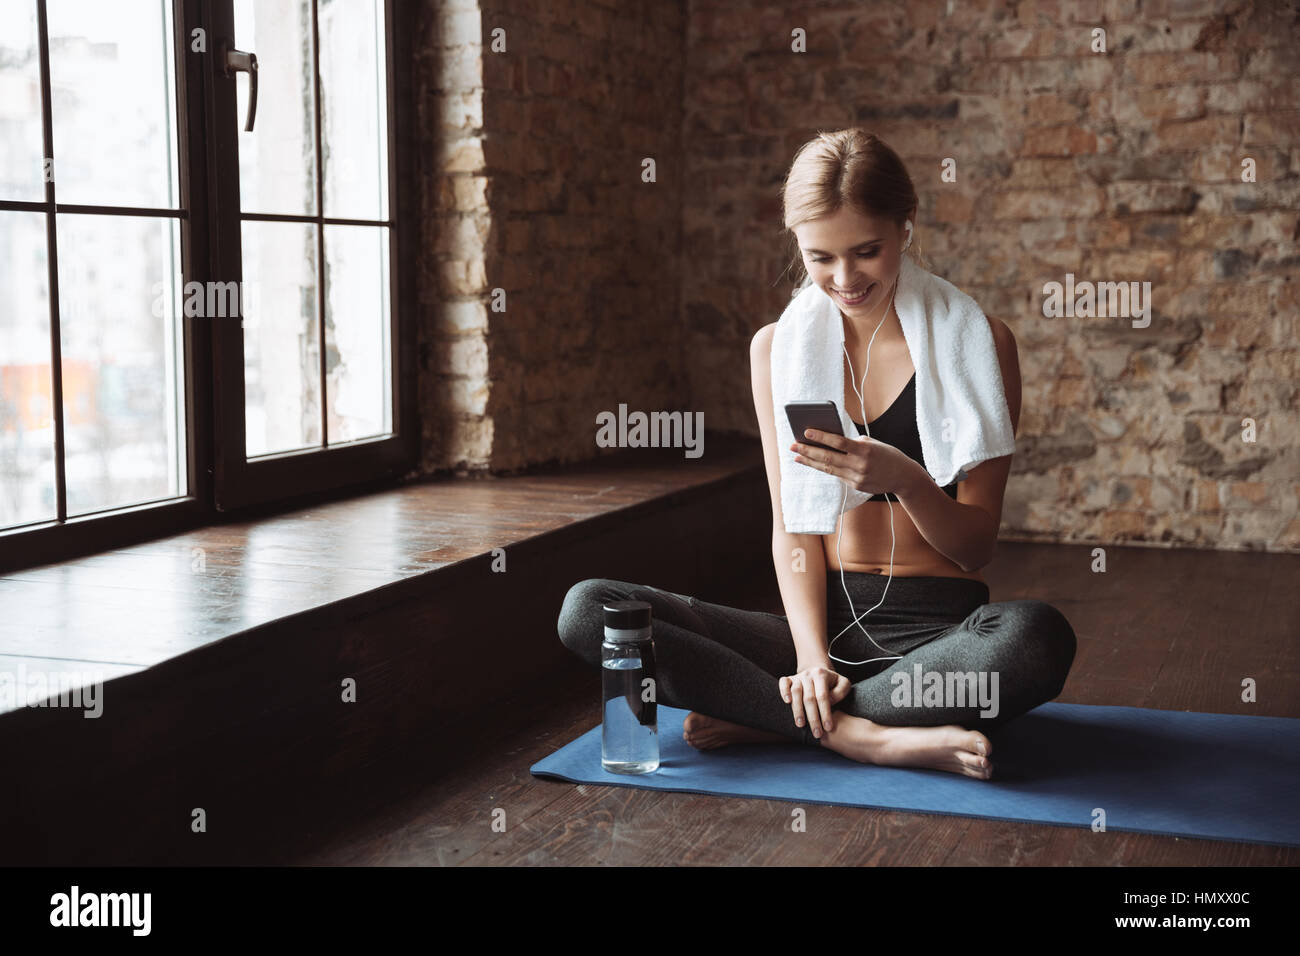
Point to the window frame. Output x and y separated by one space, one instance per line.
239 482
222 484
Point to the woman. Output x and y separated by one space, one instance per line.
753 676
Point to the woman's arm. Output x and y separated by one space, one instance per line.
960 530
803 592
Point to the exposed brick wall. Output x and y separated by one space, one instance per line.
454 223
538 192
1113 167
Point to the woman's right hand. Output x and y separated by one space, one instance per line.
811 693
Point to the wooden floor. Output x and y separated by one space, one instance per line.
1163 629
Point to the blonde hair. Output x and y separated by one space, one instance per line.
847 168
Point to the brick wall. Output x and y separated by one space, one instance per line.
1115 166
538 192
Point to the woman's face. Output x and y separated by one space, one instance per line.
848 254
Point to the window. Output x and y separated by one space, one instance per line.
200 317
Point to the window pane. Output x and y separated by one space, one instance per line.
276 168
124 428
354 112
281 341
21 164
26 386
357 366
111 80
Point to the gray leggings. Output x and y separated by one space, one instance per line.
963 660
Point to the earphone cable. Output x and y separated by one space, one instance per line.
857 619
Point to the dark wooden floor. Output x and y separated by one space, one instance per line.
1162 629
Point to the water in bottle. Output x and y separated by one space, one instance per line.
629 724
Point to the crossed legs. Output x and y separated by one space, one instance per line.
724 663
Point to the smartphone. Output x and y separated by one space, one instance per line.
823 416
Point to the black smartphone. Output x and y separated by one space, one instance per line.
823 416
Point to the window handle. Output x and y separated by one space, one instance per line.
237 61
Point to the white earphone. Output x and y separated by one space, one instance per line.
857 618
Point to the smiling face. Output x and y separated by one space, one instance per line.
853 258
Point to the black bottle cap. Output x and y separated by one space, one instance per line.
627 615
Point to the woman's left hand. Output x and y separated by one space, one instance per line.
867 465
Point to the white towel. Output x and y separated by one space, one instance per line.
959 389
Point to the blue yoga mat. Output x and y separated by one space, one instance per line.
1175 773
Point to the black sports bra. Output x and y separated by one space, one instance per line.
897 426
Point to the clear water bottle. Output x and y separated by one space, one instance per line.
629 739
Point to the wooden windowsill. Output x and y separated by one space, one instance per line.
111 614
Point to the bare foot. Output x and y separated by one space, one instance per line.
707 733
950 747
